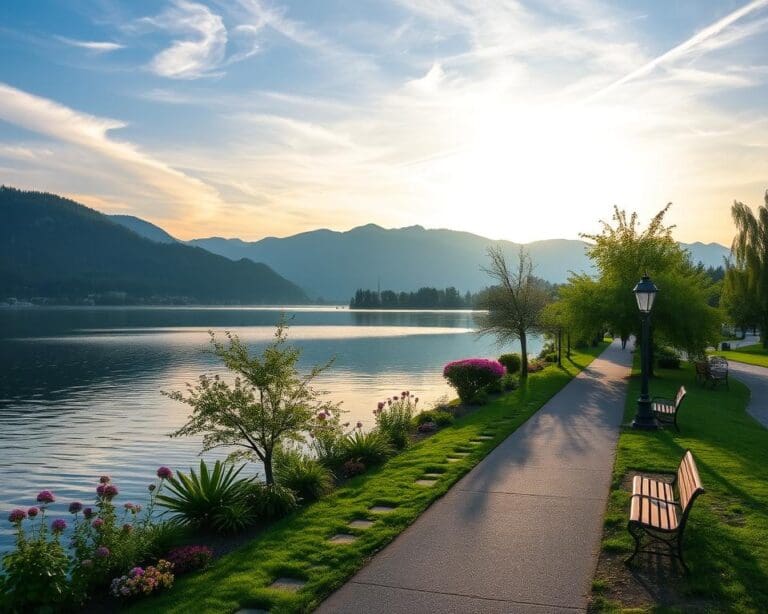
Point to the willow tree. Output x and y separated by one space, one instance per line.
750 248
514 303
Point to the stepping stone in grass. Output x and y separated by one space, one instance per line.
483 438
462 454
450 459
435 476
288 584
425 482
382 509
343 538
361 524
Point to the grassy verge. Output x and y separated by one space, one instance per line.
750 354
298 546
726 541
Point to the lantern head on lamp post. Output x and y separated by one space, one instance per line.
645 293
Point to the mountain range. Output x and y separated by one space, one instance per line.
332 265
57 249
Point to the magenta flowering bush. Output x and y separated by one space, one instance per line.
58 564
189 558
471 375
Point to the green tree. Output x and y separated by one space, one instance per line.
750 248
737 300
267 404
514 304
622 253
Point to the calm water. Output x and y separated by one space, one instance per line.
80 387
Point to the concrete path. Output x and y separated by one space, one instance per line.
756 379
521 531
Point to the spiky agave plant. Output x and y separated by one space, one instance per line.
211 500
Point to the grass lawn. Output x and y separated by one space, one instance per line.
298 546
750 354
726 540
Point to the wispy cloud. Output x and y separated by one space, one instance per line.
187 195
705 38
94 46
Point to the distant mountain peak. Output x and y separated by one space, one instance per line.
143 228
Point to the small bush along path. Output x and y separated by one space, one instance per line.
726 540
299 547
750 354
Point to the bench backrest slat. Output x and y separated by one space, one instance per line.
680 396
688 481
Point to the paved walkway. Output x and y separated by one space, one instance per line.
521 531
756 379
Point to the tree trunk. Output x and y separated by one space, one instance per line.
268 477
523 356
568 346
559 347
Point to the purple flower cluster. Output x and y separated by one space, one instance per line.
164 473
17 515
492 366
189 558
58 525
45 497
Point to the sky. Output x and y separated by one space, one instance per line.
510 119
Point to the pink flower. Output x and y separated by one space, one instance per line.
129 506
321 416
416 400
359 424
164 473
17 515
32 512
479 364
380 405
110 491
137 571
104 479
45 496
75 507
100 490
88 513
389 401
102 552
127 528
98 523
58 525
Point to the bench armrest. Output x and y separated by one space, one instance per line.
669 401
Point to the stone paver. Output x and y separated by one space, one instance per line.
288 584
382 509
343 538
361 524
756 379
521 531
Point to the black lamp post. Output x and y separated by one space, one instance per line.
645 293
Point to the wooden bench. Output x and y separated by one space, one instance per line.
655 513
714 370
666 410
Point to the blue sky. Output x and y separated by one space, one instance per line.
516 120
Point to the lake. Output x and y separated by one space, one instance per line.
80 387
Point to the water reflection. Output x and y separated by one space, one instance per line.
80 388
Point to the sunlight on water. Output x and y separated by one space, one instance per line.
80 388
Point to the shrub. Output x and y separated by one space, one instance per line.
509 382
550 357
189 558
438 416
667 358
547 350
511 362
351 468
369 448
304 475
393 418
213 500
427 427
479 398
494 387
536 365
471 375
140 581
39 575
35 576
271 501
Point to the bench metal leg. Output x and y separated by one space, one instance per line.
673 542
